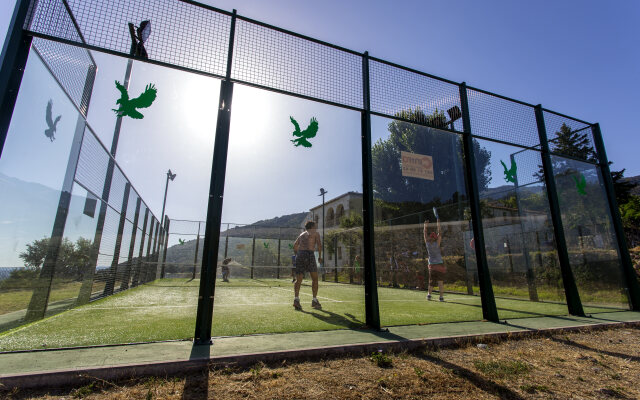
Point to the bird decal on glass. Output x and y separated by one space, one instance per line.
581 184
303 136
52 125
128 107
290 246
265 244
181 241
510 174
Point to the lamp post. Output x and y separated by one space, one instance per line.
170 176
322 193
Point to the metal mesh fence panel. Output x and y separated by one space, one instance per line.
569 137
278 60
109 233
182 34
395 90
131 205
116 192
51 17
92 164
72 66
496 118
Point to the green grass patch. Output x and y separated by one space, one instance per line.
18 299
502 369
535 388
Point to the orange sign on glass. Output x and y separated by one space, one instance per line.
417 165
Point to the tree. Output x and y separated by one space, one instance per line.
630 212
33 257
621 187
566 142
399 195
72 258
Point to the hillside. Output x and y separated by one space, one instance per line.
240 244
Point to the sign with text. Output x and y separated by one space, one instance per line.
417 165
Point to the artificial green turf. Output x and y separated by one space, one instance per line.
166 309
18 299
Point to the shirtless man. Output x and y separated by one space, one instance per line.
303 248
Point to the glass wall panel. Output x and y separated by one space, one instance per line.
32 169
282 150
174 132
518 231
590 237
422 224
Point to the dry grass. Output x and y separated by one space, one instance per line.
602 364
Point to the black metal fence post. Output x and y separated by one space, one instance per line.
148 257
279 243
167 223
253 251
627 265
206 294
195 256
154 254
12 64
570 289
40 298
132 246
113 271
489 310
370 287
138 272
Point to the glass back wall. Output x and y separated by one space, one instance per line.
591 240
422 224
112 272
282 151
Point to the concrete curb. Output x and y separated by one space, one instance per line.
82 376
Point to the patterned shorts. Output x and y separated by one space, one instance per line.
437 272
305 262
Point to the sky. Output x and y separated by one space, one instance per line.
579 58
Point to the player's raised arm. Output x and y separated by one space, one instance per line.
296 244
425 229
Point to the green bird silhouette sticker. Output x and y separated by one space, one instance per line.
510 174
290 246
128 107
302 137
265 244
181 242
581 184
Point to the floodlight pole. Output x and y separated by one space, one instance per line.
530 274
322 193
87 283
489 310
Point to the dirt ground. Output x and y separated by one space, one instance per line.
600 364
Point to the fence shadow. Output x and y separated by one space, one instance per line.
571 343
478 381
